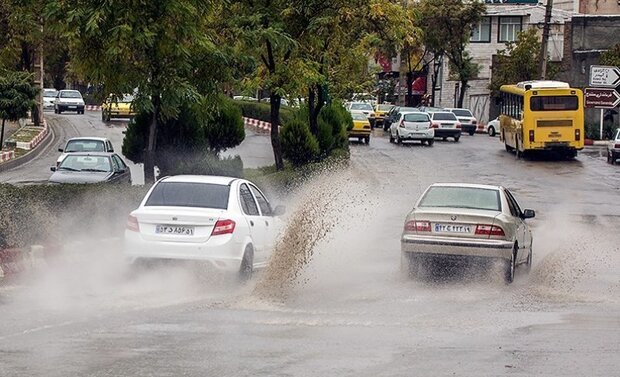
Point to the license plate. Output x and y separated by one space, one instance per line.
446 125
72 107
173 229
452 228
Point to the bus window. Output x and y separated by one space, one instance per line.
554 103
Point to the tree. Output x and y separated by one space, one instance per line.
150 47
447 26
517 62
17 94
611 56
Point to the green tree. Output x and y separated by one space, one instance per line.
17 94
447 26
611 56
148 46
298 144
517 62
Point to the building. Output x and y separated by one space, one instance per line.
502 23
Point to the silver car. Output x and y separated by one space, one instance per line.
613 148
457 221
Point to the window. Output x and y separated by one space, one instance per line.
482 31
86 163
265 208
444 116
247 201
85 146
189 194
118 162
461 197
554 103
462 113
515 210
509 28
416 117
512 105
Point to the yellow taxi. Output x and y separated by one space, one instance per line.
381 111
117 108
361 127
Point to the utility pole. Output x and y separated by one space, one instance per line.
545 40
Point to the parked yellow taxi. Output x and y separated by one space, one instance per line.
381 111
117 108
361 127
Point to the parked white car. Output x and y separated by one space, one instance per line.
613 148
412 126
492 128
226 222
49 96
84 144
469 123
453 221
69 100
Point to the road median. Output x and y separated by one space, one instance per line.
32 147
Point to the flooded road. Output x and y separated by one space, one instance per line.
349 311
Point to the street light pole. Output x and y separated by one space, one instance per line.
545 40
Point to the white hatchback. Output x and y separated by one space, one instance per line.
412 126
226 222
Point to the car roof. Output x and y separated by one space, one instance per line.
414 112
456 108
441 112
104 154
69 90
468 185
88 138
213 179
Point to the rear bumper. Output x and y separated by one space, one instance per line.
359 133
121 114
468 127
405 134
70 107
447 132
454 246
223 253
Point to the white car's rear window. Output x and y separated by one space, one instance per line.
85 146
419 117
189 194
462 112
444 116
461 197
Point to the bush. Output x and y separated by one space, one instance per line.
47 213
262 111
173 161
226 129
299 146
325 138
340 121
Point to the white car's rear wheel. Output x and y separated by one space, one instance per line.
247 264
491 131
509 269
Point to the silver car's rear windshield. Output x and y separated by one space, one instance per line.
70 94
189 194
461 197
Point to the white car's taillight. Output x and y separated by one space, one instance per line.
223 227
458 125
402 124
417 226
489 230
132 224
435 125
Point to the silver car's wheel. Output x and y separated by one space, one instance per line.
509 271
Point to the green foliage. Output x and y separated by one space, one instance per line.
518 61
299 146
325 138
172 161
17 94
340 121
611 56
226 129
262 111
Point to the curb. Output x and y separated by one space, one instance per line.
37 139
595 142
33 153
92 108
6 156
258 124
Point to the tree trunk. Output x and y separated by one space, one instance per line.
314 118
409 100
274 100
2 134
436 69
149 157
463 89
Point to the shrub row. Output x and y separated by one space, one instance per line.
262 111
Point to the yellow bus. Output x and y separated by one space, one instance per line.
542 116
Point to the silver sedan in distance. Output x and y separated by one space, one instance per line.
454 221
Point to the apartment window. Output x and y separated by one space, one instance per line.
509 28
482 31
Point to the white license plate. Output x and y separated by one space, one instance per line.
452 228
446 126
173 229
72 107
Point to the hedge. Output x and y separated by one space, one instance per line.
262 111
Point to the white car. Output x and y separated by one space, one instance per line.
454 221
469 123
49 96
69 100
84 144
613 148
223 221
492 128
412 126
364 107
